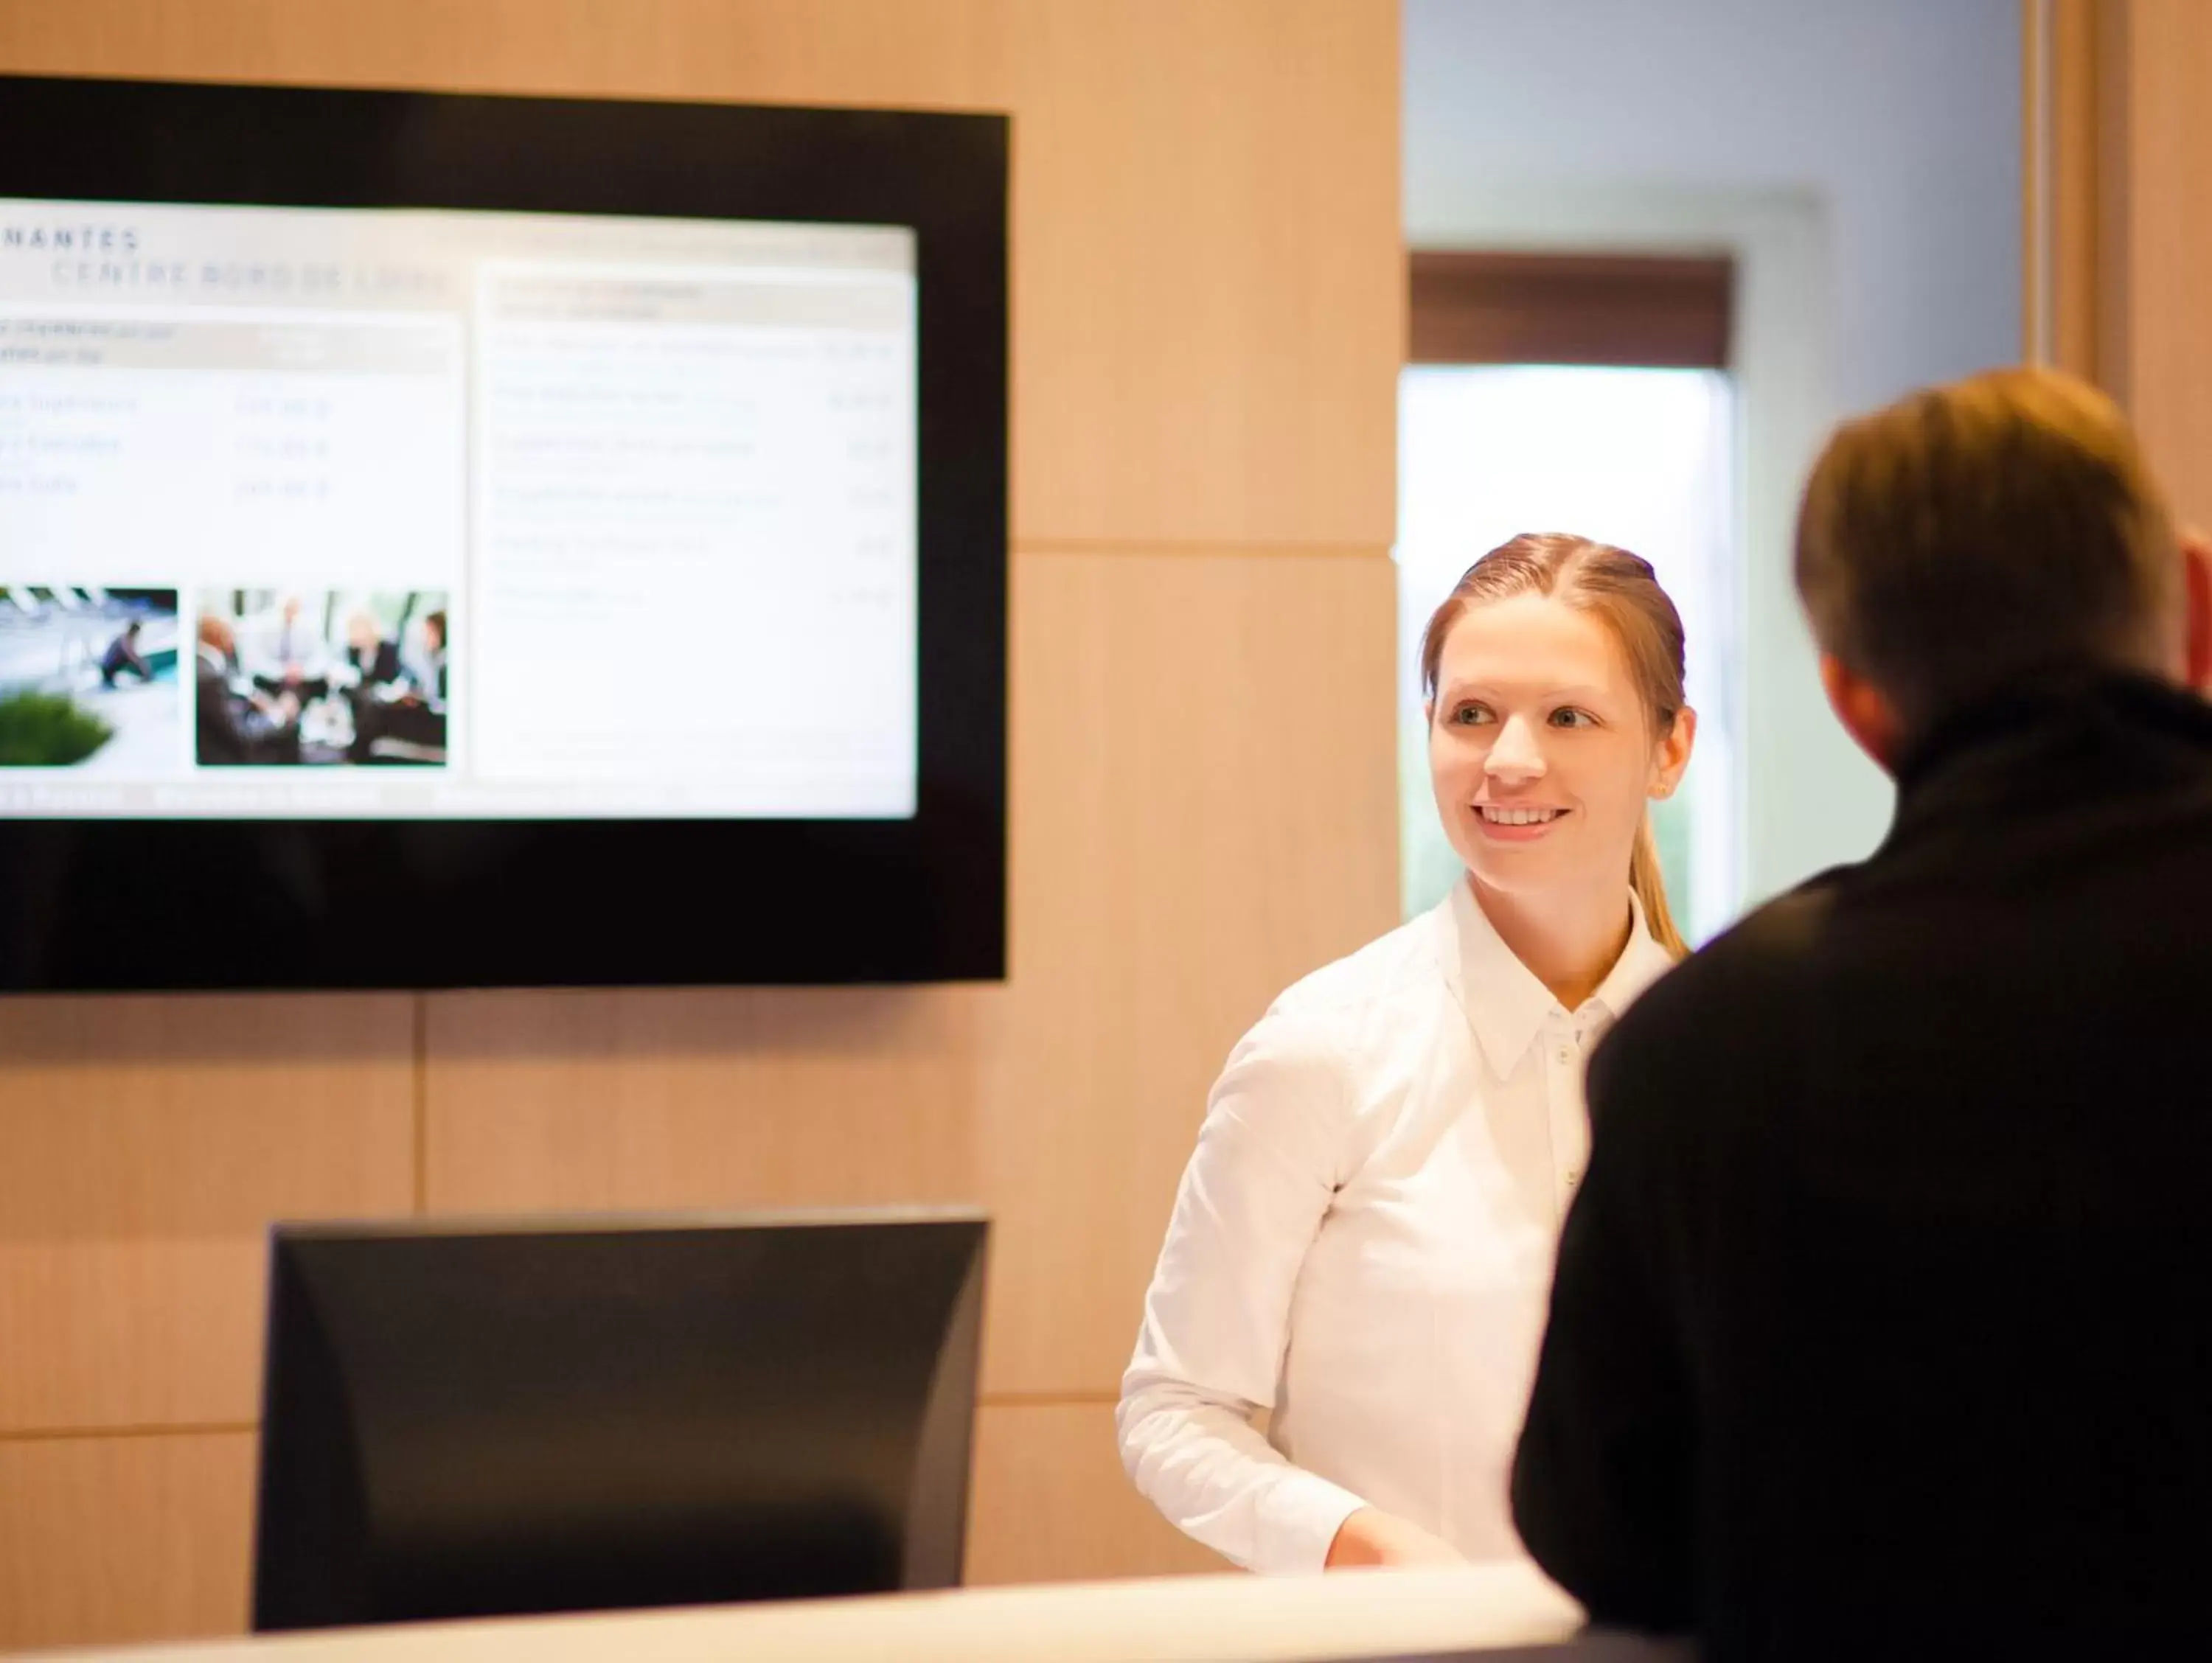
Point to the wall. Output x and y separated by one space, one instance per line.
1898 121
1207 293
2150 238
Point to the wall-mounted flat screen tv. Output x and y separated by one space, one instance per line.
465 541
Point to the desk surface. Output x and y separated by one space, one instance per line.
1509 1610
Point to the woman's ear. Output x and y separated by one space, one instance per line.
1672 755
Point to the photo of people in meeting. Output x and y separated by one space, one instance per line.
88 679
332 678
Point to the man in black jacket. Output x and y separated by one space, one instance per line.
1882 1326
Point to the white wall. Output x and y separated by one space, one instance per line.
1898 120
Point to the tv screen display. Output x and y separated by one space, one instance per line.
462 541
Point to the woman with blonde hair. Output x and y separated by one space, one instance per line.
1362 1243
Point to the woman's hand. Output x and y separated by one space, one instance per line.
1372 1537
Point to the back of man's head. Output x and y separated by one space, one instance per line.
1974 537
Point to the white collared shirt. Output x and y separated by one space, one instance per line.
1362 1245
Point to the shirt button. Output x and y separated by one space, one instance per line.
1566 1055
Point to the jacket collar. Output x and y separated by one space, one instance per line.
1504 1002
2078 700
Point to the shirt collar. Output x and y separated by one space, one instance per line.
1506 1005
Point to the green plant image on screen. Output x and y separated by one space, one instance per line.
48 731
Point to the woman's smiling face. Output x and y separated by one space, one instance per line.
1541 751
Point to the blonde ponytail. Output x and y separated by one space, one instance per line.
1650 883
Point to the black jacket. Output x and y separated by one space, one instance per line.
1883 1322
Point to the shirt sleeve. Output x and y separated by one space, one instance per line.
1602 1479
1217 1315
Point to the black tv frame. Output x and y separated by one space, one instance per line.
178 904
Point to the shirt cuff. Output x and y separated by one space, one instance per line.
1298 1518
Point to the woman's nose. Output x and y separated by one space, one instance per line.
1515 755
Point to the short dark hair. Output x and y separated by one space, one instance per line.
437 619
1970 537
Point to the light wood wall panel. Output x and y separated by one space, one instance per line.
145 1144
1206 271
2166 378
2062 184
1208 289
1203 808
113 1539
107 1540
2128 220
1051 1504
1208 311
719 1098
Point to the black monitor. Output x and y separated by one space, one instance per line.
503 1419
444 539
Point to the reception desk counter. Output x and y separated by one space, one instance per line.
1492 1612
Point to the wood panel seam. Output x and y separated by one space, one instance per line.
422 1105
88 1434
202 1429
1044 1399
1118 547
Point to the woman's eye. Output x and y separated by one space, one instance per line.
1472 715
1570 717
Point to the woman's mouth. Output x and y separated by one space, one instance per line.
1512 823
1498 814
